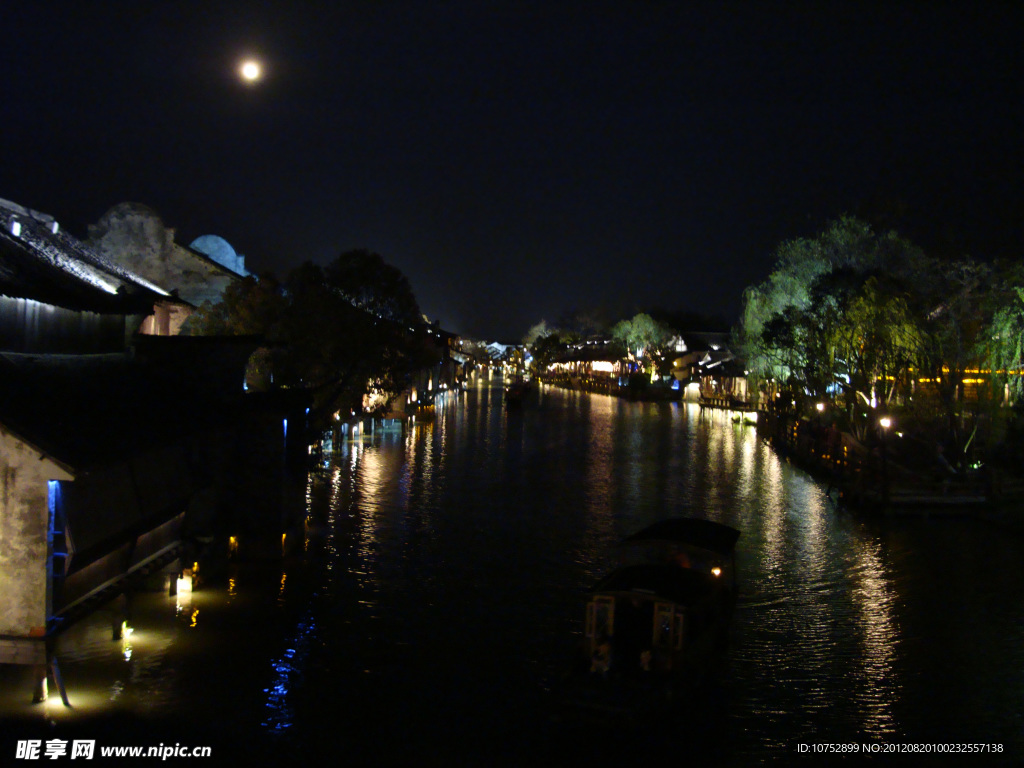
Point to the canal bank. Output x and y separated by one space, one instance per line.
874 478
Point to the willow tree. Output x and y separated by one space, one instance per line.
882 344
847 243
1005 346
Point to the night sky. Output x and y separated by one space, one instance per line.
519 161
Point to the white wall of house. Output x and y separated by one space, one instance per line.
25 547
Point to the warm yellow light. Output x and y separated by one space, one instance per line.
716 571
184 585
820 407
885 421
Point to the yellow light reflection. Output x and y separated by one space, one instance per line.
875 601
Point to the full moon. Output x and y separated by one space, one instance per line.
250 71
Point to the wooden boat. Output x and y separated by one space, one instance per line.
654 625
686 542
515 393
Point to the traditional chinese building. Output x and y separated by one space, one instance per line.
115 447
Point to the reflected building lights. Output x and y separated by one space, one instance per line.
600 521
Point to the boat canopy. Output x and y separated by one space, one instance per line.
705 534
678 585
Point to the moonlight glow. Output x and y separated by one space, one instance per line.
250 71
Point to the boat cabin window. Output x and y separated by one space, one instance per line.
601 617
669 627
663 625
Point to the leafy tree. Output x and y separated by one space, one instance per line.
366 281
250 307
955 302
545 349
847 244
643 337
337 331
537 331
352 326
881 343
1005 349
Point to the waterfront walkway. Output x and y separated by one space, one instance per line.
873 477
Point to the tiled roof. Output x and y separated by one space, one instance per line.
39 262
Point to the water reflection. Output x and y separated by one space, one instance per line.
288 671
874 600
600 490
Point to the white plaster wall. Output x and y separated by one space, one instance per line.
24 535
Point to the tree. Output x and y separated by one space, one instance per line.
250 307
815 276
537 331
366 281
642 336
338 330
352 326
545 349
1005 349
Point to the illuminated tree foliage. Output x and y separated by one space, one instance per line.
536 332
871 321
848 247
1005 343
643 337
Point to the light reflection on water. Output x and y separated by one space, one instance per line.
441 595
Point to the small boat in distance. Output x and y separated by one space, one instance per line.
515 392
654 625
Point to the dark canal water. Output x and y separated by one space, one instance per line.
440 597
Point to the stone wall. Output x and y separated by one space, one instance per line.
134 236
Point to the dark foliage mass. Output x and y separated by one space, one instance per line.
338 331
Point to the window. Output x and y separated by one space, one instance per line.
663 625
680 626
601 617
